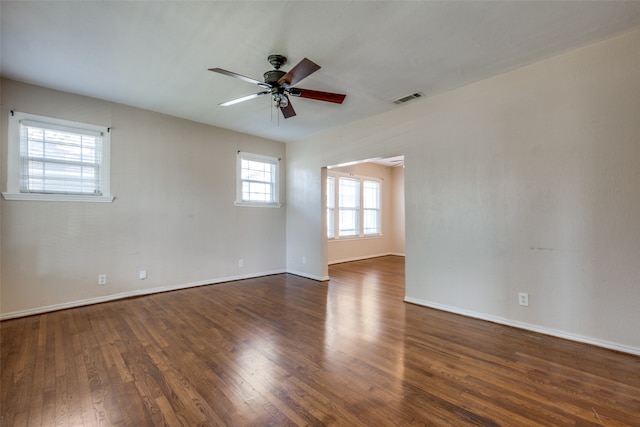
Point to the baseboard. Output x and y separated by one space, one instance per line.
360 258
137 293
309 276
527 326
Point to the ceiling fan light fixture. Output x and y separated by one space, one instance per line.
280 101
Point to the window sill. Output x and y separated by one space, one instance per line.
258 205
352 238
57 197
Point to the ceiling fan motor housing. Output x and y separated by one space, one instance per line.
272 76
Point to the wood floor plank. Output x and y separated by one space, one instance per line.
21 365
285 350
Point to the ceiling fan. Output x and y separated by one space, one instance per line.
279 85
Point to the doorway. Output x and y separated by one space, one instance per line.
364 209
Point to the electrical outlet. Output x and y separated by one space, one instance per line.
304 259
240 263
102 279
523 299
142 274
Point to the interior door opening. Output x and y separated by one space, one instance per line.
363 210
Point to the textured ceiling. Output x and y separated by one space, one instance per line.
155 55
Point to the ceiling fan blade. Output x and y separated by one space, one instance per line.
238 76
299 72
288 111
336 98
244 98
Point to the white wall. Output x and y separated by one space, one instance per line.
348 249
174 213
397 213
524 182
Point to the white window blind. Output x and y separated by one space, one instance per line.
57 160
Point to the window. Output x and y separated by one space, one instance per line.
258 180
371 207
331 206
349 207
57 160
358 207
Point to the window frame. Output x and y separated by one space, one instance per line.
14 163
336 176
275 202
354 211
377 209
331 206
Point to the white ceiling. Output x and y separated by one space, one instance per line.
155 55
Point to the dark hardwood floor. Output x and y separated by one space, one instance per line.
284 350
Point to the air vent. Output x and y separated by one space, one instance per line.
408 98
